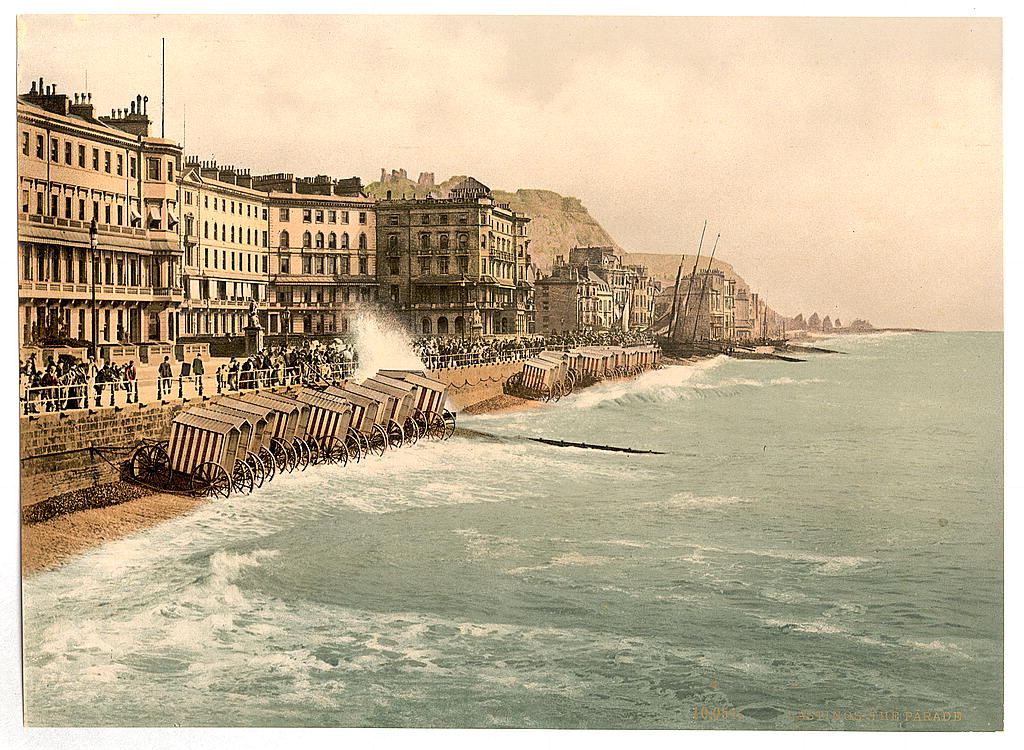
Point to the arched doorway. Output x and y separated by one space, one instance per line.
460 326
425 326
442 326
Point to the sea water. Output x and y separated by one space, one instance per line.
820 546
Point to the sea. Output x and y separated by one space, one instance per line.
818 546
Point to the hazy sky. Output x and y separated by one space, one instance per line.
853 167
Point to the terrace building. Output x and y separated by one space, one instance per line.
76 168
323 253
456 265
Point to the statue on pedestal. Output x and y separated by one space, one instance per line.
254 318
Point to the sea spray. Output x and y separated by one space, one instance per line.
382 343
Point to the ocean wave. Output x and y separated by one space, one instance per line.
828 565
689 500
569 558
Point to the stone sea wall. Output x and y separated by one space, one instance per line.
61 454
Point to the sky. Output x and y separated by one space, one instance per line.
852 166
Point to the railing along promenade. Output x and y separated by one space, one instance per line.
122 393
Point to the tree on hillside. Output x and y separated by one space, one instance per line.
814 322
826 324
838 323
798 322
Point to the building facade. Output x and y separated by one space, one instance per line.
458 265
76 168
323 253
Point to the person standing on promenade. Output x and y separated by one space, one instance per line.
198 370
131 382
222 377
163 382
233 375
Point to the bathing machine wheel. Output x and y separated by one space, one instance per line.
150 465
210 480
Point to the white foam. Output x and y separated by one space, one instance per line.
382 344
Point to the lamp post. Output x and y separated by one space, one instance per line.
286 321
93 244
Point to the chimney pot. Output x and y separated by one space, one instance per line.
33 90
40 84
145 100
132 105
90 97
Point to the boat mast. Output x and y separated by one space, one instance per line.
689 286
703 286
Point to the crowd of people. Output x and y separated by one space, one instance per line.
309 362
442 351
69 382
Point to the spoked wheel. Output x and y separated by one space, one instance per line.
436 427
242 479
513 384
449 423
269 463
546 393
333 451
259 470
378 440
396 435
284 454
302 453
365 442
419 421
353 445
150 465
210 480
315 456
411 430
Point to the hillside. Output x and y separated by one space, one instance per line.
664 267
557 224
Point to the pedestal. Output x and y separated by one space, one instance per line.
253 339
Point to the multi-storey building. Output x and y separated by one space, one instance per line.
593 275
224 235
574 299
323 252
76 169
456 265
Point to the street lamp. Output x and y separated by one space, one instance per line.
93 244
286 319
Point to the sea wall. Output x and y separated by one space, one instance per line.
78 450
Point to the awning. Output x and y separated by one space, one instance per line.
172 219
133 212
154 213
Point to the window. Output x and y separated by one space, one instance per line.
463 242
26 261
443 242
81 156
425 266
81 209
286 264
362 241
442 265
307 215
392 242
67 152
283 239
332 217
106 214
106 162
24 142
332 241
170 171
393 266
206 230
426 219
393 220
307 264
284 214
307 239
344 217
39 203
319 217
364 264
24 201
442 219
394 293
463 264
319 264
332 264
344 241
132 168
39 147
120 171
320 240
67 208
96 159
53 205
232 234
120 215
425 241
153 169
216 233
232 206
54 149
